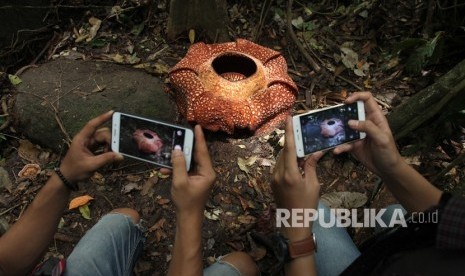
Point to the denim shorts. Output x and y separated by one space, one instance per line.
221 267
111 247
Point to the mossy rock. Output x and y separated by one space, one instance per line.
79 91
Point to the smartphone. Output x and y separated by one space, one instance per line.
150 140
327 128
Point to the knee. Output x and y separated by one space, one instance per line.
133 214
243 262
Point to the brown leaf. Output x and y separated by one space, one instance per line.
134 178
79 201
28 151
158 225
246 219
130 187
97 178
162 201
160 234
243 203
148 185
29 171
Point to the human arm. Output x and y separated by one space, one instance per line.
23 245
189 192
291 190
378 152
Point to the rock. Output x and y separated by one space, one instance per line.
81 90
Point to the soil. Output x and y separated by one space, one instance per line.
239 213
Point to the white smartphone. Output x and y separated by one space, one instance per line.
327 128
150 140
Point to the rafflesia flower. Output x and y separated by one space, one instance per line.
231 86
331 127
147 141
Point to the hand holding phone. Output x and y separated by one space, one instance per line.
150 140
327 128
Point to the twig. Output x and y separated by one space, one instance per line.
450 7
263 12
106 198
458 160
309 94
9 209
350 82
5 111
57 119
24 68
301 48
57 6
47 46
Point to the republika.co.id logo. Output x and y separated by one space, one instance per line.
349 218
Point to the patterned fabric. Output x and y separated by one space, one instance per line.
451 228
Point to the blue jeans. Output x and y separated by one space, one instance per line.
111 247
114 244
336 250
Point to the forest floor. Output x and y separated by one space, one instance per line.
354 47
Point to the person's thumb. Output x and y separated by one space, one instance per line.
106 158
179 166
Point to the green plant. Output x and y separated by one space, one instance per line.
420 52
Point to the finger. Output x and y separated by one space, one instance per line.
358 96
201 154
165 171
101 136
95 123
289 153
314 158
343 148
179 166
371 106
103 159
366 126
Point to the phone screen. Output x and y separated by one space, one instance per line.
328 128
148 140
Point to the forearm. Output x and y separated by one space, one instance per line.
412 190
187 252
30 236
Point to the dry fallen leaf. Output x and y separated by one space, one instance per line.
348 200
28 151
95 22
29 171
148 185
213 215
158 229
246 219
79 201
163 201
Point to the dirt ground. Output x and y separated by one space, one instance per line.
240 210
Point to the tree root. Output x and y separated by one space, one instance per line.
299 45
